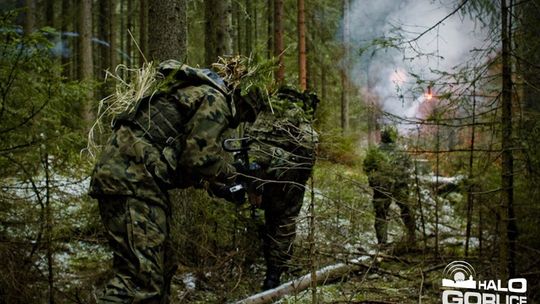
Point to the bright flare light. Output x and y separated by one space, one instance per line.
429 94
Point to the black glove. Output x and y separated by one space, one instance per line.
252 170
234 193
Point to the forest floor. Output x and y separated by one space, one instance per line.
385 279
344 232
220 252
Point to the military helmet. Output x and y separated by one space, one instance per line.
234 69
389 134
307 100
244 80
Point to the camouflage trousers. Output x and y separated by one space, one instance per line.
381 205
138 234
282 202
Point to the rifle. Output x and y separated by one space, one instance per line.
241 156
240 147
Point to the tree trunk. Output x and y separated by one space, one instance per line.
113 33
86 71
470 196
228 47
143 31
238 23
269 28
248 26
314 274
437 173
122 31
508 221
49 13
49 230
302 61
255 30
66 24
311 60
104 27
278 41
167 25
529 46
104 34
345 69
324 90
370 107
129 33
30 17
217 39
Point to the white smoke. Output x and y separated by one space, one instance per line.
387 72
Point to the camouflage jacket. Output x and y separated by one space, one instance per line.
387 167
283 139
171 140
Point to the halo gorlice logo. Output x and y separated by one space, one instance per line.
461 287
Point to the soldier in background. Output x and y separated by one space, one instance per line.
283 146
170 139
389 174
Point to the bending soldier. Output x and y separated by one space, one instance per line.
389 172
170 139
284 147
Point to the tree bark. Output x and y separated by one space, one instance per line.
103 28
121 33
217 39
248 27
508 221
302 60
113 33
49 13
238 23
228 47
86 71
30 17
528 48
345 69
278 41
167 25
49 230
254 22
66 23
143 31
470 195
129 33
269 28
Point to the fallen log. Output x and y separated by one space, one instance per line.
323 275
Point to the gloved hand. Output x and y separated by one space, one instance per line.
242 168
250 177
234 192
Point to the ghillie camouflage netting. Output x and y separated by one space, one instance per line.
131 85
246 73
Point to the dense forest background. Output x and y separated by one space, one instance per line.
466 102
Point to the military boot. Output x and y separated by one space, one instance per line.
272 278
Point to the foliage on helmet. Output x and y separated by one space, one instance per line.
245 73
306 100
389 134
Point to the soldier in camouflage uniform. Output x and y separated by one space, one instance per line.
389 173
169 140
284 148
